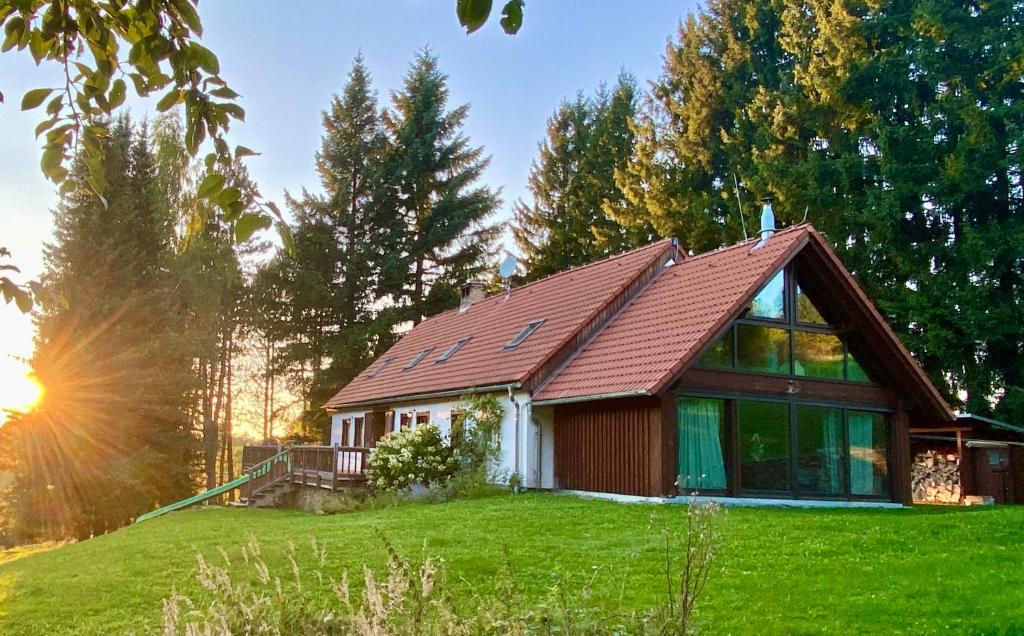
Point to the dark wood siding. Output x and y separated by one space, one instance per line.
612 446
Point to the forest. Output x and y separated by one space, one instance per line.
894 126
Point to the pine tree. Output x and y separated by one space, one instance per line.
432 172
112 437
571 219
328 289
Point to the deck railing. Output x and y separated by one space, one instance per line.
258 453
274 469
320 466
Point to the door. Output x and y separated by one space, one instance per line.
992 473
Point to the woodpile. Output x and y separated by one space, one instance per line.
936 477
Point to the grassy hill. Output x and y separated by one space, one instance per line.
779 570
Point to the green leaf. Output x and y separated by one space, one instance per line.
287 240
234 110
23 299
55 105
35 97
207 60
117 93
46 125
512 16
51 161
211 185
188 15
248 224
242 151
473 13
224 92
228 196
171 98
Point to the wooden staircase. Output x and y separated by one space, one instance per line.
275 472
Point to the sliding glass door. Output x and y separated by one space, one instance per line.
821 451
764 441
781 448
700 444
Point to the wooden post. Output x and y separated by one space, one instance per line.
960 463
334 473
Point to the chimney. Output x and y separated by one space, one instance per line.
767 219
472 291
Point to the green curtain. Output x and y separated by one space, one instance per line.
862 477
833 450
701 464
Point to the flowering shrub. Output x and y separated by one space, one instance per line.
419 456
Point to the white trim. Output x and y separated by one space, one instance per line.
733 501
417 397
591 398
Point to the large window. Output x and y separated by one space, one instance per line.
762 349
781 448
818 355
770 302
869 470
821 446
701 440
764 445
783 332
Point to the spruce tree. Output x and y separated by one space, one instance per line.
432 183
571 218
329 286
895 126
112 437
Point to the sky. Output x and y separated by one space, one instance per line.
288 64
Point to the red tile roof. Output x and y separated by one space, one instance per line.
641 348
671 321
566 302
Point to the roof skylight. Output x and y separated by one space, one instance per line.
524 333
419 357
380 367
450 351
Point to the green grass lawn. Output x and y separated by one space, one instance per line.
914 571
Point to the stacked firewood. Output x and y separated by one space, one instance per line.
936 477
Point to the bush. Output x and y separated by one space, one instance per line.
405 458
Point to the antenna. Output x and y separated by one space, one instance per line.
739 202
505 270
806 210
508 266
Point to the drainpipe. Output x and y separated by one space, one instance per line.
540 448
512 399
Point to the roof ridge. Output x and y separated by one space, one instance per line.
743 243
563 272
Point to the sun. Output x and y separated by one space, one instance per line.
21 391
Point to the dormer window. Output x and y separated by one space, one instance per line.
418 358
450 351
524 333
380 366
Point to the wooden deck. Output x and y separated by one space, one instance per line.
327 467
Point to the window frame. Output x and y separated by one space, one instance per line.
385 361
452 350
419 357
792 326
732 453
528 330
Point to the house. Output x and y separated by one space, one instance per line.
759 370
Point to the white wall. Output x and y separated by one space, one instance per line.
544 420
531 438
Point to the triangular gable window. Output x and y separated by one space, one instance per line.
806 311
783 332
